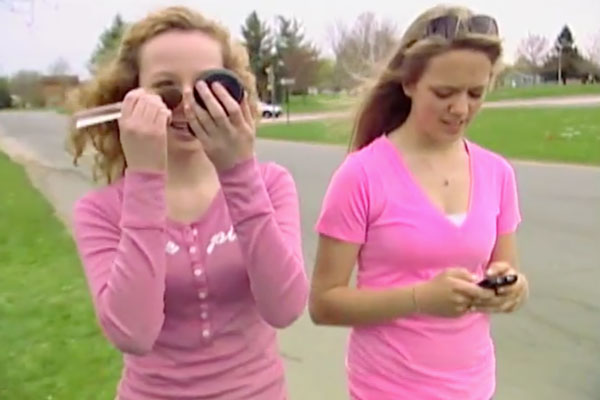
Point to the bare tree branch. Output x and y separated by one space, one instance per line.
59 67
532 50
594 49
360 48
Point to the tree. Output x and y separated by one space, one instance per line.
325 74
532 51
290 35
594 49
59 67
565 61
13 5
259 42
108 45
300 58
5 98
24 7
565 39
302 65
27 85
360 48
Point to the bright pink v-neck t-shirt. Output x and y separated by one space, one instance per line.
373 200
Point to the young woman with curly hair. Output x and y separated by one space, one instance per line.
192 251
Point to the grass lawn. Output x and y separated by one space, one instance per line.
50 346
545 134
544 90
318 103
340 102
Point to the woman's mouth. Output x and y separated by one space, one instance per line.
179 124
454 125
181 129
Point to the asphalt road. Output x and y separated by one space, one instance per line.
548 350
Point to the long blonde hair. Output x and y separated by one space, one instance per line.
120 75
386 106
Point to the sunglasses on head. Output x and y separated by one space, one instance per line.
448 26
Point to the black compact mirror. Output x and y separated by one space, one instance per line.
226 78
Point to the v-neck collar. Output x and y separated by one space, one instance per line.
398 160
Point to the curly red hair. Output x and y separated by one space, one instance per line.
120 75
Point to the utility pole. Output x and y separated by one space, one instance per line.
271 83
560 63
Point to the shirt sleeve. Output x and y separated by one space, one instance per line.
124 261
345 208
509 216
265 212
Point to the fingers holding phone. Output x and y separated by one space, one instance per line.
509 286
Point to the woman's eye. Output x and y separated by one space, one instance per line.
442 94
164 83
476 94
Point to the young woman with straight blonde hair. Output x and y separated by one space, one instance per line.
427 215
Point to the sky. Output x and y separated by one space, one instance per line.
38 32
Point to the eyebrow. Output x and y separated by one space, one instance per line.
163 74
456 88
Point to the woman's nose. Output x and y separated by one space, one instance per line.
460 104
188 95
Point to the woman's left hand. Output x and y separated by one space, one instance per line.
226 132
508 298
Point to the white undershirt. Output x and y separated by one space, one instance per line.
457 219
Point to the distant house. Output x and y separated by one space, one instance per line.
515 78
16 101
56 87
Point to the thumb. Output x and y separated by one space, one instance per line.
462 274
498 268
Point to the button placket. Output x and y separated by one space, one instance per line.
193 249
200 282
204 315
206 333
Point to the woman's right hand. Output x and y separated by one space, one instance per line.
449 294
143 130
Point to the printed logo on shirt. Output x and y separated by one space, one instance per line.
221 238
171 248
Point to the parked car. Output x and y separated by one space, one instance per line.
269 110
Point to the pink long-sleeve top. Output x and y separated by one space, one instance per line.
194 307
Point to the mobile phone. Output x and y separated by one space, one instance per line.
495 282
225 77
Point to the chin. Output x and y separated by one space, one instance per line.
453 131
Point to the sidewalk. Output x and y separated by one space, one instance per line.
547 351
302 347
61 186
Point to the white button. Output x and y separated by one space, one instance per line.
193 249
195 232
198 272
204 315
206 333
202 295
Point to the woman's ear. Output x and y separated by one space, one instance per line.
408 89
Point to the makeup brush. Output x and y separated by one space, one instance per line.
170 95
